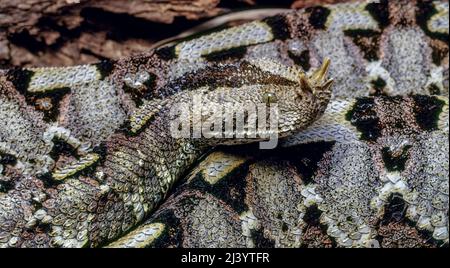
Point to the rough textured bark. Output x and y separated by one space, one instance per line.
65 32
68 32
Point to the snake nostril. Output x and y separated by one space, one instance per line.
270 97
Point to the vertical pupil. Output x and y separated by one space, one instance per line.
270 97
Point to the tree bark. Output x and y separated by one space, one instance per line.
69 32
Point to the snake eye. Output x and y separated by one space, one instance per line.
270 97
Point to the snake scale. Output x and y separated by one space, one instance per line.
87 159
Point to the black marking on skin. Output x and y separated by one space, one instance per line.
378 86
318 16
186 202
7 159
102 151
41 228
150 83
166 53
20 78
37 205
312 218
394 210
367 41
279 27
55 96
261 241
302 59
312 215
172 235
380 12
364 117
427 110
395 162
104 67
433 89
232 53
125 128
88 171
48 180
439 53
138 95
306 157
230 188
425 10
61 147
6 186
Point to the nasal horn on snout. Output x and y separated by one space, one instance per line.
315 82
318 85
319 75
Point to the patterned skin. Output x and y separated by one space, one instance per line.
372 171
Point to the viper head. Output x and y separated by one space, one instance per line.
270 106
300 105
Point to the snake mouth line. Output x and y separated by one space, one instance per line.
240 120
